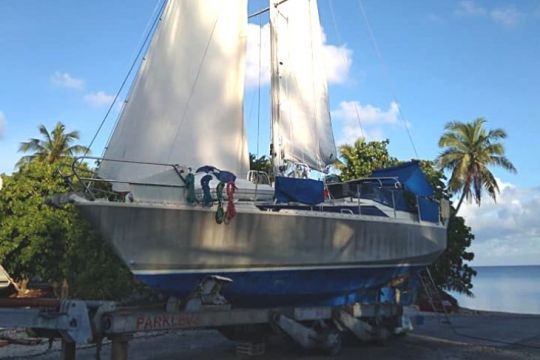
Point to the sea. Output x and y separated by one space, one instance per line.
514 289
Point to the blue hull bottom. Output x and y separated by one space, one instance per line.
272 288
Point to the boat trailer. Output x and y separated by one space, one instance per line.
85 322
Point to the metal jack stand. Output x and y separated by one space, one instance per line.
68 319
208 295
325 338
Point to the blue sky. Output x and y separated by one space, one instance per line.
441 61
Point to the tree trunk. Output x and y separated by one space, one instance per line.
460 202
466 189
64 289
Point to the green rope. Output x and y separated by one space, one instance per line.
220 213
190 189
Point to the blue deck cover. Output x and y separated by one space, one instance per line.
409 175
305 191
412 179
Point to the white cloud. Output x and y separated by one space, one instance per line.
506 231
366 121
469 8
338 59
338 62
507 17
2 124
67 81
99 99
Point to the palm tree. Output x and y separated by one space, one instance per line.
470 150
54 145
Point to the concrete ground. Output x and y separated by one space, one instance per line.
480 335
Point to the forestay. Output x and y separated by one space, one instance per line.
301 126
186 104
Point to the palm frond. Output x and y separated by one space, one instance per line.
24 160
31 145
503 162
73 135
496 134
80 149
43 131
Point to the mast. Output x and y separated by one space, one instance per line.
276 152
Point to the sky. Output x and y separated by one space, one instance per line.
396 69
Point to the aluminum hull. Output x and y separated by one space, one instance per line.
274 258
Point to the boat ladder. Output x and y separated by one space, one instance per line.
433 294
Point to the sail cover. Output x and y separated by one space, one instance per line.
186 104
301 126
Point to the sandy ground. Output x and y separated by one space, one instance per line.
480 335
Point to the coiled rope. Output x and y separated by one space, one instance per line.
190 189
225 179
207 197
220 213
231 210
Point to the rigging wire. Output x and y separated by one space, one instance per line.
362 133
338 35
135 61
250 106
334 22
388 79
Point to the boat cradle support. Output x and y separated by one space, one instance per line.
317 327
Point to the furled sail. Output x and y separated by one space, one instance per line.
301 125
186 104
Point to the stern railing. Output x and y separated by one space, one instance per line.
387 191
89 179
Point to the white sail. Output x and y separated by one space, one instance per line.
301 125
186 104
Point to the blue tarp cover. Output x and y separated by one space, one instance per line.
429 210
413 179
410 176
306 191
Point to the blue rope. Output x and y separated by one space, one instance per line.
207 197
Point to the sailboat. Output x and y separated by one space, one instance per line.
178 156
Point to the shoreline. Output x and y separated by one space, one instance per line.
466 310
